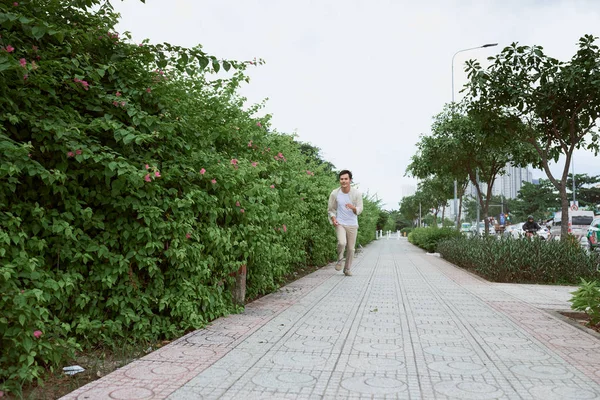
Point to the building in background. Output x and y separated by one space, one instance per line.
507 185
408 189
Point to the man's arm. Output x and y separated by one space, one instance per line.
332 209
359 203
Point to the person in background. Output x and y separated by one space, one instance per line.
530 226
344 206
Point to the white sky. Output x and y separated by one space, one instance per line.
362 79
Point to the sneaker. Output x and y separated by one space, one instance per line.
338 266
347 272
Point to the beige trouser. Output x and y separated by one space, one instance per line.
346 239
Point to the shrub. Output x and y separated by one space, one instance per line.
406 230
521 261
428 238
587 299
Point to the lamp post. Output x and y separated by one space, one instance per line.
455 182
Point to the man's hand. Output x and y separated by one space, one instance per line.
351 207
334 221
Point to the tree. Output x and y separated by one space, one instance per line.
409 208
586 194
536 200
435 191
430 151
557 101
470 144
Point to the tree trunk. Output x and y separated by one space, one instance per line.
564 202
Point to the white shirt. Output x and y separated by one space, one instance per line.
345 216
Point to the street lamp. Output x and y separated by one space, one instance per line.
455 182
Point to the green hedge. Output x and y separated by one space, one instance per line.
428 238
133 183
522 261
406 230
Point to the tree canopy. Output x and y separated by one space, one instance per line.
557 103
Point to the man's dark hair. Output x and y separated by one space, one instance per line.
345 171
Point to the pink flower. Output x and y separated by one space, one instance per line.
259 124
118 94
308 172
284 228
202 171
147 178
280 155
276 157
9 49
188 235
25 77
242 210
37 334
254 164
234 161
213 181
122 104
250 143
272 186
78 151
23 62
237 203
1 393
147 166
70 154
16 4
148 90
157 174
141 44
115 103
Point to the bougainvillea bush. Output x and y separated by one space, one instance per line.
134 182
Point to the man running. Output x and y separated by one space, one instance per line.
344 206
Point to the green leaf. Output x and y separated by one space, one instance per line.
38 31
203 62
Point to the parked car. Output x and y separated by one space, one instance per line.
579 221
592 238
481 232
465 228
513 230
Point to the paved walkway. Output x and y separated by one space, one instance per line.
407 325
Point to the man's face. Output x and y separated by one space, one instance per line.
345 180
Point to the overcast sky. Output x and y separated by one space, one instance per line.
362 79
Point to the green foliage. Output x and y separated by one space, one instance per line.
522 261
406 230
367 220
534 200
134 182
587 299
586 189
428 238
